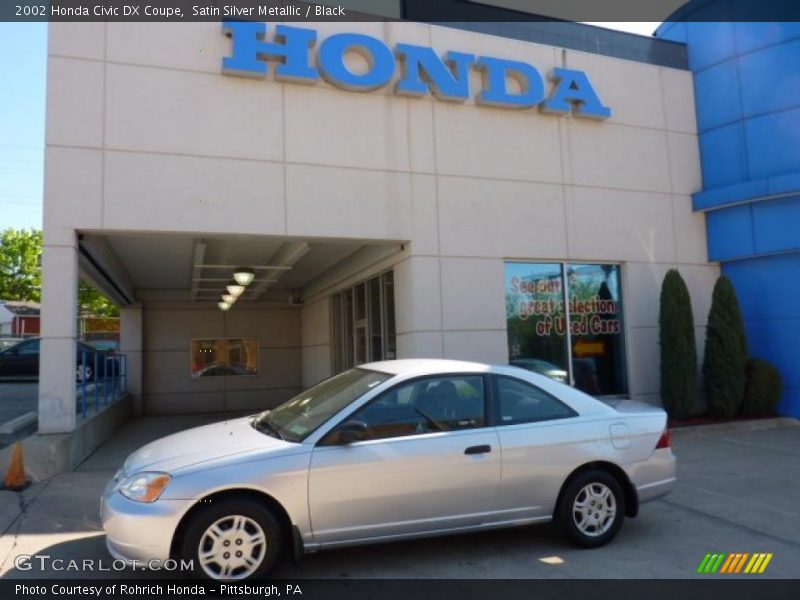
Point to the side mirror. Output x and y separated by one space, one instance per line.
352 431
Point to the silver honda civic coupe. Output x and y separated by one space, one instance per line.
388 451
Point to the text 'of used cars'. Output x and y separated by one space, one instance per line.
388 451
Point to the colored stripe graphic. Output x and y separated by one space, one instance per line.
713 567
701 568
734 562
753 560
765 563
741 563
729 563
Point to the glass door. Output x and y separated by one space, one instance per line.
363 323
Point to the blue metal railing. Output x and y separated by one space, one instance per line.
101 373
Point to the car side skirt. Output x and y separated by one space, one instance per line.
312 547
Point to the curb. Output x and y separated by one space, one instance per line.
696 431
14 425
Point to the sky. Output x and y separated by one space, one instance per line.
23 63
23 59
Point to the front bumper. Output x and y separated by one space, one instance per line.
139 531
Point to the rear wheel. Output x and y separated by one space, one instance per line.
234 540
592 509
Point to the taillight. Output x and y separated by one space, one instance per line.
665 441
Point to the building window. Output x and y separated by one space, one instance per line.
215 357
363 323
542 298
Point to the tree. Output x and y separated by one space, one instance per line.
763 389
92 302
678 348
725 362
20 273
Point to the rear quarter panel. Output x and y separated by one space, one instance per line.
539 457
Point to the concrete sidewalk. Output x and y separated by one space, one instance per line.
737 492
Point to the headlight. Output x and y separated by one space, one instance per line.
144 487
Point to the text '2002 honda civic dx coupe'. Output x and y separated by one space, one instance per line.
389 451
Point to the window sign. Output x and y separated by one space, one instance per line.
535 318
221 357
595 309
590 351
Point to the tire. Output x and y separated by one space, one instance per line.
83 372
240 523
592 509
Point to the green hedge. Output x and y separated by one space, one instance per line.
763 388
678 348
725 359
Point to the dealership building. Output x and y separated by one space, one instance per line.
392 189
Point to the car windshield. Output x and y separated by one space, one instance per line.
297 418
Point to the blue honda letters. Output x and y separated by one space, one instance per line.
422 70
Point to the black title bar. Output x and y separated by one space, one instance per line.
431 11
733 588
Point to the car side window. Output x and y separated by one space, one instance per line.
31 347
521 402
427 405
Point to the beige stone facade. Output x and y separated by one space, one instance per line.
152 151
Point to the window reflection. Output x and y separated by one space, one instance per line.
595 308
223 357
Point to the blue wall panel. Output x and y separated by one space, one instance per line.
747 90
752 36
768 287
730 233
723 156
710 44
720 82
773 143
776 224
766 88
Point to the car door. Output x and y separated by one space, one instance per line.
21 360
430 462
541 440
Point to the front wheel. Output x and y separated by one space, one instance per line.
592 509
83 373
233 540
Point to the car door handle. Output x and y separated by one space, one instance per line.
478 449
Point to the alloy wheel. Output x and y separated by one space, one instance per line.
594 509
232 547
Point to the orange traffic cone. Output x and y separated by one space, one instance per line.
15 479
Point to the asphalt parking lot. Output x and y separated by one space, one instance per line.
737 492
17 398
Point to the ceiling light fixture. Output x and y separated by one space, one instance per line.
223 306
244 276
235 289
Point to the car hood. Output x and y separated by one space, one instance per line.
204 444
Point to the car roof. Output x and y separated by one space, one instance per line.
426 366
413 367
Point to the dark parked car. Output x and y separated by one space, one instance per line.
219 370
8 342
21 361
537 365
